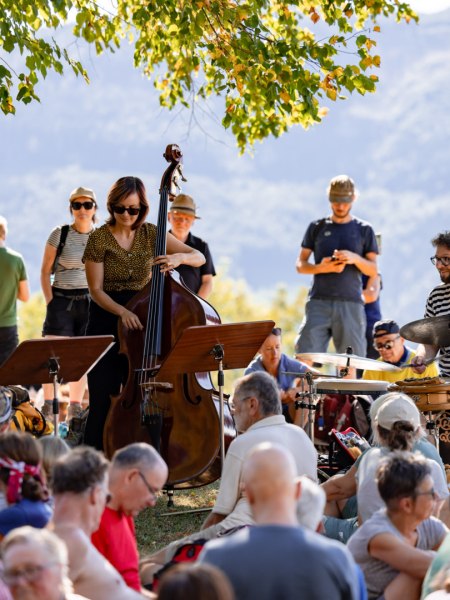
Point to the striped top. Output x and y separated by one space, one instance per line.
438 304
123 269
70 273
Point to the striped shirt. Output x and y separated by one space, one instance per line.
438 304
70 273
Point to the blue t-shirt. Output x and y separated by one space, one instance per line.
285 382
25 512
323 238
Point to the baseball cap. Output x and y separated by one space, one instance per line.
185 205
378 402
82 192
341 189
398 409
385 327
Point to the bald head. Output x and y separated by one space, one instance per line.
268 478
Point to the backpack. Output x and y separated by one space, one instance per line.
25 416
62 243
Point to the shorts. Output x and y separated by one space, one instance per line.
9 340
342 320
67 313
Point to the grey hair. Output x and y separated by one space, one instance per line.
138 454
311 504
49 543
264 388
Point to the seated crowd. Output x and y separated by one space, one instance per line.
67 515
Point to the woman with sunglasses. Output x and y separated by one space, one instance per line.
118 258
63 282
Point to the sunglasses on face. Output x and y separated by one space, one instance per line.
387 345
120 210
88 205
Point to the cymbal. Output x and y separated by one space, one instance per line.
431 330
347 360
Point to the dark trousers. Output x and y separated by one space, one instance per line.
9 341
106 378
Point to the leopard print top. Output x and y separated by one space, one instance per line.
123 269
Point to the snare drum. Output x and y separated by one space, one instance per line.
433 397
349 386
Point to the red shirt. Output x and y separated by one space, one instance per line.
116 540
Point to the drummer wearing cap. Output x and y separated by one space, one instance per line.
182 214
391 346
343 247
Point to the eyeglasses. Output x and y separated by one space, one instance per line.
232 404
431 493
387 345
88 205
151 489
30 573
444 260
120 210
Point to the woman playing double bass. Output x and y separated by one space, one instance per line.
119 256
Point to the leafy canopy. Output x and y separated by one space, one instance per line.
272 61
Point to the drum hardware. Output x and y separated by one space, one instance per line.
434 331
338 385
307 401
425 363
347 361
431 428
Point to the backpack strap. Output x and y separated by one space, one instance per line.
62 243
320 224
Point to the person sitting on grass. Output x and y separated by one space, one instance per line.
394 546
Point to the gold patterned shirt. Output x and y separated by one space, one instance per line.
123 269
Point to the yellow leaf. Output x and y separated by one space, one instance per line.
377 28
331 93
323 111
285 97
348 13
376 61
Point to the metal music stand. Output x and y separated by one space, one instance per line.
48 360
216 348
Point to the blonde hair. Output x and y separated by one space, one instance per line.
52 448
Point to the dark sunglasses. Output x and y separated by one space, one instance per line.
387 345
120 210
88 205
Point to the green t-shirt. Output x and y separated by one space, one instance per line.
12 271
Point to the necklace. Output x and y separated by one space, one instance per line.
81 232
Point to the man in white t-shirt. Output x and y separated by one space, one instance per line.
256 408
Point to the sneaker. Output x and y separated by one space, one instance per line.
74 410
47 409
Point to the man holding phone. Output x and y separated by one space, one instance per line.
344 247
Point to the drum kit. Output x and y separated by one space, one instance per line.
432 396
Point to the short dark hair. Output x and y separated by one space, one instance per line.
442 239
78 471
138 454
399 476
262 386
120 190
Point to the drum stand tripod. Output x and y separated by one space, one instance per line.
307 401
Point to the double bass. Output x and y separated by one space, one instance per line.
177 414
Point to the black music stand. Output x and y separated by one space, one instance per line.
216 348
54 360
